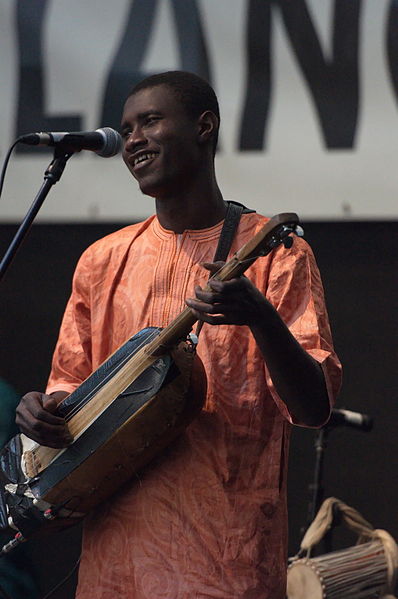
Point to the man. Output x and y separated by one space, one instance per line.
209 518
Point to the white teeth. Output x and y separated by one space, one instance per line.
144 157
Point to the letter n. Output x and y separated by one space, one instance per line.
333 82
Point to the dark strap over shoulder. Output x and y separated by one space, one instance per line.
231 222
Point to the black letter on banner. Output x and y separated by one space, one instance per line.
392 43
126 68
334 84
31 102
258 91
193 52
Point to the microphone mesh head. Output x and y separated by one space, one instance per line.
112 142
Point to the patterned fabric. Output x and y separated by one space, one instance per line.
208 518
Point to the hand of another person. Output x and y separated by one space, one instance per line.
36 418
236 301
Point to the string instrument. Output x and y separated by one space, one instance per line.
121 417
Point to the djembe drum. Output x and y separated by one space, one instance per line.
365 571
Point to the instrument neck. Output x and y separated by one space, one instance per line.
170 336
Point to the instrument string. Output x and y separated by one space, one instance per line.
173 331
77 407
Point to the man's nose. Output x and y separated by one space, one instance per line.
135 139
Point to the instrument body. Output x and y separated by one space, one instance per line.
136 426
124 414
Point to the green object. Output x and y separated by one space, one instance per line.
16 579
9 399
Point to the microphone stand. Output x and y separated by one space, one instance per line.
52 175
315 488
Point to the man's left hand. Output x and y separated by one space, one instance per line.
236 301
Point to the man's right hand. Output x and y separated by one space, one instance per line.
37 420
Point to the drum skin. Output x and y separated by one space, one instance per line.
303 583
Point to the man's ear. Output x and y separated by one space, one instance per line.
207 126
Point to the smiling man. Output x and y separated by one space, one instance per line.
208 518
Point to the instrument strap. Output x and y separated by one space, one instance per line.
231 222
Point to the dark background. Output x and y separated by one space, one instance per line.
359 266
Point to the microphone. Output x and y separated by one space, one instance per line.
105 142
353 419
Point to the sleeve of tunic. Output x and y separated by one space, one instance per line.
295 289
72 362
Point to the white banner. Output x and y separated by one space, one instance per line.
308 92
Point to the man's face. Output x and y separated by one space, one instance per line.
160 142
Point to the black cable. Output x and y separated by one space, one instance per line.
5 164
59 585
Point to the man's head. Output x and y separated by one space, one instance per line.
169 126
194 93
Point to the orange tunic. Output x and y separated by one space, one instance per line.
208 520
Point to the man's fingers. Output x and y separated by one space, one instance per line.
49 435
50 404
45 433
205 307
213 267
208 297
35 418
39 408
236 285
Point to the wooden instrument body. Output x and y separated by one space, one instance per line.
134 429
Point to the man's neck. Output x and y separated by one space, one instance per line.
192 211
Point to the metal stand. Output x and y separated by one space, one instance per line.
52 175
316 488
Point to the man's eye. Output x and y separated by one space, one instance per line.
125 134
151 119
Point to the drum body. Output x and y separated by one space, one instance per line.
359 572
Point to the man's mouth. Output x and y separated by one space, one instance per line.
144 158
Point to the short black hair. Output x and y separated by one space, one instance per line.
194 93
